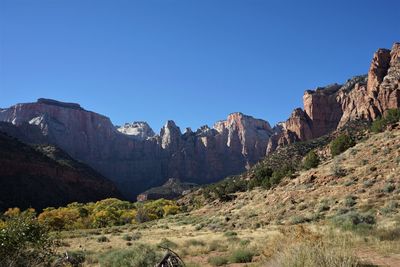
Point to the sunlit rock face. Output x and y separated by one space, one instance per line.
138 129
132 155
362 97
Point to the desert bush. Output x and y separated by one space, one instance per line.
350 201
299 219
24 241
136 236
388 234
216 245
166 243
354 221
311 160
316 255
135 256
390 207
76 258
391 116
127 237
218 261
388 188
341 144
102 239
337 170
194 242
241 256
230 234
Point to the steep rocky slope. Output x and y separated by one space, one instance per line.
132 156
362 180
331 107
46 176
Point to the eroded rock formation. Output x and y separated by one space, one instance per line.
133 156
331 107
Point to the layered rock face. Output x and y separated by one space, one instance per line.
131 155
362 97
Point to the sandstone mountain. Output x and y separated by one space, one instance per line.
331 107
131 155
136 158
44 176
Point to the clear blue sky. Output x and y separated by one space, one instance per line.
190 61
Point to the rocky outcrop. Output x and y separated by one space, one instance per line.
138 129
172 189
44 176
360 98
131 155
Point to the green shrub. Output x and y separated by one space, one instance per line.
218 261
76 258
378 125
136 236
136 256
24 242
341 144
230 234
391 116
195 243
388 188
299 219
350 201
354 221
388 234
337 170
316 255
311 160
241 256
166 243
127 237
102 239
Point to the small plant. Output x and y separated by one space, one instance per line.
134 256
136 236
218 261
76 258
127 237
102 239
350 201
299 219
368 183
390 207
354 221
388 234
337 170
388 188
241 256
316 254
166 243
230 234
195 242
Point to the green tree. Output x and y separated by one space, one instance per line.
311 160
341 144
24 241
